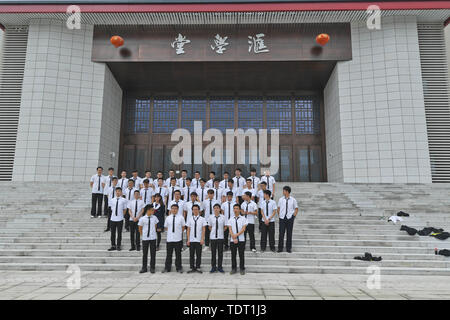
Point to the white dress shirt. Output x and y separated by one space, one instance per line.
252 191
267 209
186 192
148 224
171 192
122 183
163 192
224 183
270 182
134 207
167 182
255 181
188 208
236 224
218 193
202 191
260 195
195 183
174 233
227 208
249 206
210 183
108 183
226 190
129 193
137 182
111 193
208 208
182 182
147 194
118 205
239 185
97 183
196 235
292 204
180 206
217 225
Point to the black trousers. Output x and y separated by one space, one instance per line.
259 219
286 226
171 246
96 208
207 233
105 199
158 235
217 247
226 241
116 227
127 220
148 244
235 248
195 255
267 230
108 222
135 236
250 230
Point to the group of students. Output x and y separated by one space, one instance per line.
214 213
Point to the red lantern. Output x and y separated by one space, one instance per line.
117 41
322 39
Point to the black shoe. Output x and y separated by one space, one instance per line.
143 270
198 271
165 270
119 248
138 249
152 270
273 250
242 272
220 270
180 271
157 248
289 251
112 248
106 230
233 271
132 249
280 250
191 271
213 269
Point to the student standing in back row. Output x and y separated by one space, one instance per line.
287 211
111 192
97 184
107 185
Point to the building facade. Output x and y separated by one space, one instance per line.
371 106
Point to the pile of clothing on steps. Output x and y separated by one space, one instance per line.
428 231
368 257
398 217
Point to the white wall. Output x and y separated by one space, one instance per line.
381 122
63 116
447 44
2 34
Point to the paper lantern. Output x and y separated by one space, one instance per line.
117 41
322 39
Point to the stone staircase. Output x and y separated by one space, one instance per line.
47 226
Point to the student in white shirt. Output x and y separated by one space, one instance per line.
248 188
160 213
188 189
255 179
196 180
268 211
249 211
159 175
136 179
208 210
189 204
135 209
202 192
147 193
172 188
180 203
260 195
168 182
218 191
239 183
267 178
236 226
118 209
107 183
97 184
227 210
111 193
224 183
123 181
182 181
147 229
217 226
229 188
174 225
128 194
287 211
210 182
148 176
162 190
196 226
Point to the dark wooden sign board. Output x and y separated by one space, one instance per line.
284 42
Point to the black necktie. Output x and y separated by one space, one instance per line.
117 205
246 210
184 183
173 224
110 180
129 194
148 231
113 193
210 206
172 192
197 183
121 184
217 193
145 196
229 209
159 190
217 226
99 181
237 180
236 220
268 182
267 208
195 227
287 204
202 194
188 194
135 210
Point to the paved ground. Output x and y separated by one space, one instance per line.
130 285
